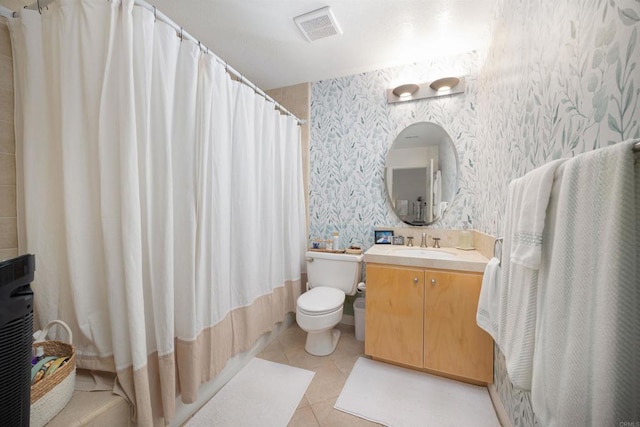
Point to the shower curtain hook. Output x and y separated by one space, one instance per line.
155 14
181 35
39 8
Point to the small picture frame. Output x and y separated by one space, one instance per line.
398 240
383 237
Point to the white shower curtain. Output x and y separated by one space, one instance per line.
163 201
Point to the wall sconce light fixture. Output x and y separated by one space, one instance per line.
412 91
445 83
406 90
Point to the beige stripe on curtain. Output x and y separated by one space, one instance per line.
204 358
162 200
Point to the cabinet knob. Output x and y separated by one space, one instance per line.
433 282
415 280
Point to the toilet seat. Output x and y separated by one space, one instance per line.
320 300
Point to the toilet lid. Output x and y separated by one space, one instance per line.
321 300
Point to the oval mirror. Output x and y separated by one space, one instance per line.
421 173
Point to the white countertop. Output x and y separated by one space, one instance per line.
471 261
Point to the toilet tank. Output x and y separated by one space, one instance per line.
340 271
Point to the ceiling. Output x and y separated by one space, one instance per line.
260 40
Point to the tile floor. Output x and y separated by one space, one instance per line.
316 407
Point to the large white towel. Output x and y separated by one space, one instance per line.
524 223
488 314
587 358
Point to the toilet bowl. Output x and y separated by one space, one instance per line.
319 310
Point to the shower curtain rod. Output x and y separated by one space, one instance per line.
158 15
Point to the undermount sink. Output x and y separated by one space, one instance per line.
425 253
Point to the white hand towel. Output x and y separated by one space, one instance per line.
524 223
529 213
488 314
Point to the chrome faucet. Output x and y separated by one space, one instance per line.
423 242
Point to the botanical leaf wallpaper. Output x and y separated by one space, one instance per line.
353 127
559 78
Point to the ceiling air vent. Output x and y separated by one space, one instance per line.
318 24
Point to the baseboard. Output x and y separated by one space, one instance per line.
503 417
234 365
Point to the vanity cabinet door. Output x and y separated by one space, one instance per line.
453 343
394 314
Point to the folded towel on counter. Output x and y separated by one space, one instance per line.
488 314
524 224
585 369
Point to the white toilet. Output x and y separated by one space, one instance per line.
331 277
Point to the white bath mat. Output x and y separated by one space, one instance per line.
400 397
263 393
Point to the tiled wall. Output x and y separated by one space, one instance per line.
8 233
296 99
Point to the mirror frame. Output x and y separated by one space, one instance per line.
447 142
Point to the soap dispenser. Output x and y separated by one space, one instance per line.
465 239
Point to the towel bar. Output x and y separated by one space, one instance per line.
497 248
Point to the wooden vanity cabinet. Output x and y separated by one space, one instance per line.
394 314
426 319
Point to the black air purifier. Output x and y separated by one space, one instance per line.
16 336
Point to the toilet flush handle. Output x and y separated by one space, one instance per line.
309 259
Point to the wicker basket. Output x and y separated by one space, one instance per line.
51 394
